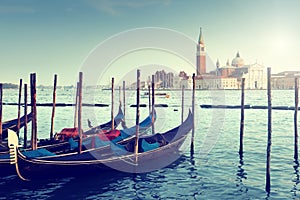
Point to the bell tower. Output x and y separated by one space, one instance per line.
201 55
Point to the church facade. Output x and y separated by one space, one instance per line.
230 75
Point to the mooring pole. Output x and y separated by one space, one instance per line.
19 107
268 176
124 98
153 103
112 104
182 103
193 111
76 106
53 107
1 94
33 111
80 113
136 149
296 118
149 98
242 118
25 114
120 95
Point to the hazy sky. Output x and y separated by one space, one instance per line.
57 36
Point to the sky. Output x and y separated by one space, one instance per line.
63 36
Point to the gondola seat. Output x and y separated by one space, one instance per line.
146 146
37 153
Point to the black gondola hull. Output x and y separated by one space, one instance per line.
92 163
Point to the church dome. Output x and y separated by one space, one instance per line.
237 61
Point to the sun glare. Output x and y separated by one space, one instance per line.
281 43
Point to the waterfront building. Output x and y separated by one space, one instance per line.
215 82
200 56
255 76
162 79
284 80
230 75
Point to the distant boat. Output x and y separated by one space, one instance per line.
159 94
106 88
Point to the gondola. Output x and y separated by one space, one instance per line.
13 124
89 141
62 144
155 151
62 137
67 133
104 139
101 138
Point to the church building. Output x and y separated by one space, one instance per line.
228 76
201 56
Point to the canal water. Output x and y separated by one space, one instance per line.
214 171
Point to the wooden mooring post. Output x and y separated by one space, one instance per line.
80 113
25 114
296 118
33 111
19 107
136 148
182 103
124 98
149 99
53 106
242 117
76 106
112 103
193 111
153 102
120 95
268 171
1 95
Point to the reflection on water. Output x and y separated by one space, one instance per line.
296 179
241 176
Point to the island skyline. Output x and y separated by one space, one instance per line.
55 38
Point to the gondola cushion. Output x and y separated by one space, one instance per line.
37 153
73 144
148 146
110 135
